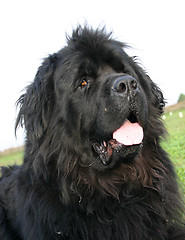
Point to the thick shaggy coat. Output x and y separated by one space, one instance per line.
93 166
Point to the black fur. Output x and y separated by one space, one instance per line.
69 185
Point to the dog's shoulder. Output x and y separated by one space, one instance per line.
7 171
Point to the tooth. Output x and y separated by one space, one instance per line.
105 144
104 162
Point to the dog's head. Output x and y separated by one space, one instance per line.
91 99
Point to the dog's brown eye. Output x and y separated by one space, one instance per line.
84 83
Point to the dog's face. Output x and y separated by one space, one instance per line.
105 110
96 99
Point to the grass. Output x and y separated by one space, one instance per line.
175 143
10 158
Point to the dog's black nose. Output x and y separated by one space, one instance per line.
125 84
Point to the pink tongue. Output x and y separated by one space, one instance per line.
129 134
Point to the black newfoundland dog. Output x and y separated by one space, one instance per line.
93 165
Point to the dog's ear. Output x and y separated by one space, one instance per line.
36 104
158 99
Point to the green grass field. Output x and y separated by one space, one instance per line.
11 158
175 142
174 145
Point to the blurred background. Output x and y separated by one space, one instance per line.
30 30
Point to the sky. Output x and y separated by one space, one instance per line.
30 30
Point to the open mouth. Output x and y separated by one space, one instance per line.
125 141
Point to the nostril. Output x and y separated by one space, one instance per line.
121 87
133 84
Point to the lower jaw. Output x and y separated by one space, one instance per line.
118 155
